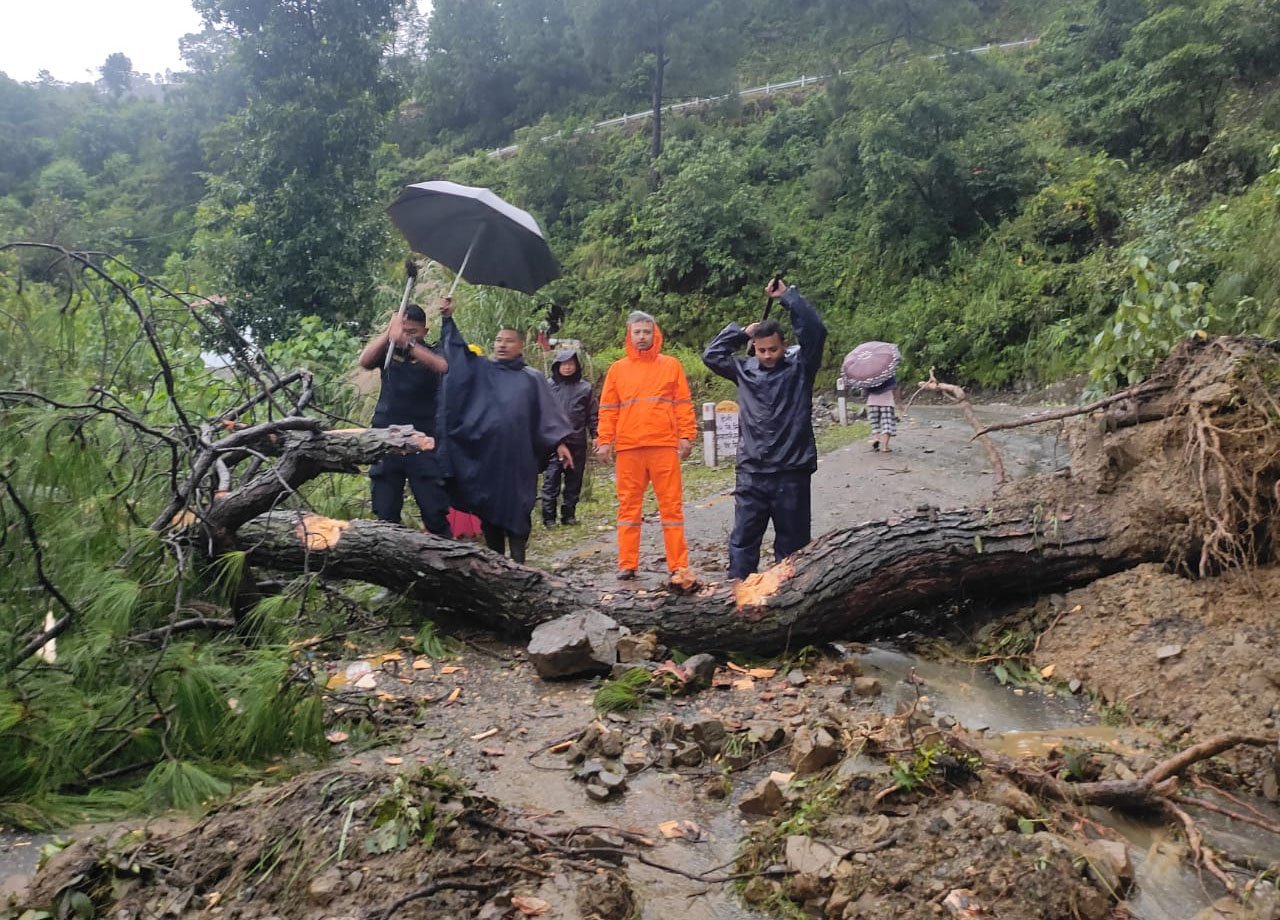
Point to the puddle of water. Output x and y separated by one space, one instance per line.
19 856
970 694
1166 886
651 799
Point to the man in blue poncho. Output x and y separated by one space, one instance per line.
499 425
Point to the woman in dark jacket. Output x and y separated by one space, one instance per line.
579 404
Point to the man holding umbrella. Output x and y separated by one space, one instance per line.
777 455
499 425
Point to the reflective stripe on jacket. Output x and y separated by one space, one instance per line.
646 400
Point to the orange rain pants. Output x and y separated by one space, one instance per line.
635 468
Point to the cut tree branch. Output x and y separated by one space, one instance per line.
958 395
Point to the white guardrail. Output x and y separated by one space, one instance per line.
765 90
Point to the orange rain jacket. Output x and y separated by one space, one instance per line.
646 400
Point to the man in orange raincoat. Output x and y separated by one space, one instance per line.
647 424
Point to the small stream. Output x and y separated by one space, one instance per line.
1017 722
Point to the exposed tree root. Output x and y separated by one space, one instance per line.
1154 792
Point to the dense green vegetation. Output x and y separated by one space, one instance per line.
1010 218
983 210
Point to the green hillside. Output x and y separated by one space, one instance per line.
984 210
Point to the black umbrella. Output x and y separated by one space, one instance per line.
477 234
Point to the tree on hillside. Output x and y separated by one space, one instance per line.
690 35
294 199
468 83
117 74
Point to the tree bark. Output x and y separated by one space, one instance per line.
659 73
854 583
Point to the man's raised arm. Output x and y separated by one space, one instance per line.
720 354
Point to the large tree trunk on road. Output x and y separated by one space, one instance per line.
852 583
1197 484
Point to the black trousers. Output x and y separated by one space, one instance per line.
552 477
497 538
387 478
758 498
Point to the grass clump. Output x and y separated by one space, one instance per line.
626 692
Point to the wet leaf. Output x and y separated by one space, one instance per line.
393 761
422 664
746 683
367 682
453 697
451 669
530 906
1001 673
492 752
336 737
682 829
1047 671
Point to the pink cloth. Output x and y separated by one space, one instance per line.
464 526
885 398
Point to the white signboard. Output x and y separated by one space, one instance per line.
726 431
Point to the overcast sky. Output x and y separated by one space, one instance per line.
71 38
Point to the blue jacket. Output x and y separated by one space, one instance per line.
775 407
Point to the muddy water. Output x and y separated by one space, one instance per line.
651 799
1029 723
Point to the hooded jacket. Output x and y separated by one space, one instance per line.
498 424
575 397
775 405
646 400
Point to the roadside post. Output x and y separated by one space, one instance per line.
709 434
842 401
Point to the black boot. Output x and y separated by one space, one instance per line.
568 517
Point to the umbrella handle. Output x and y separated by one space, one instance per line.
768 305
768 301
404 303
465 260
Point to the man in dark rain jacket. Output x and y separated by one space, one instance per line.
410 385
776 451
499 425
579 404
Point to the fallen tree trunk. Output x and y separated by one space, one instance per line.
852 583
1196 485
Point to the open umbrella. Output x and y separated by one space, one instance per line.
481 237
871 364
